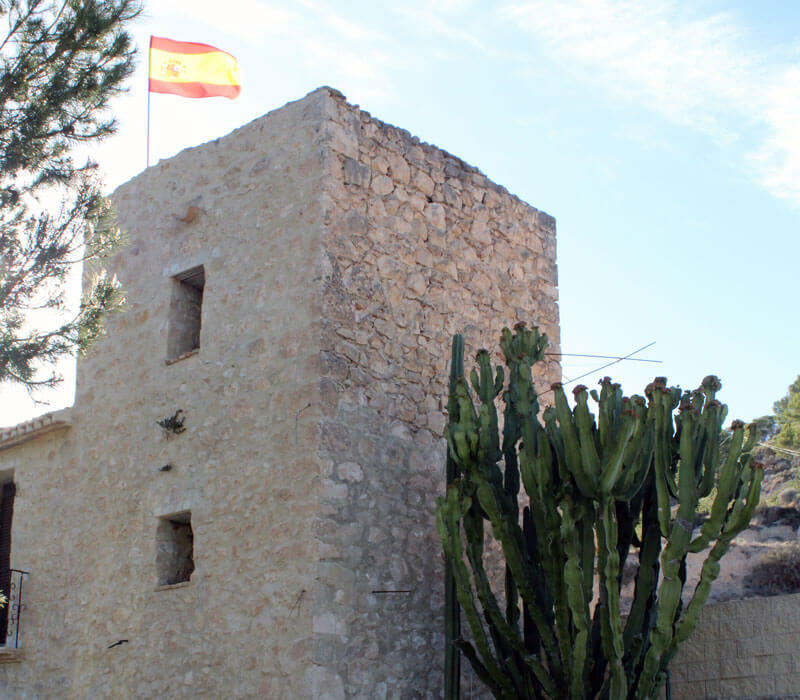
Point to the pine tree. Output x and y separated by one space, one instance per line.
61 62
787 414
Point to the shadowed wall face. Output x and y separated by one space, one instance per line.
419 245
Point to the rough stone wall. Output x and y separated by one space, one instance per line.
742 649
419 246
340 254
89 499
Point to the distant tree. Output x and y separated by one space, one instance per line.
787 415
61 61
765 428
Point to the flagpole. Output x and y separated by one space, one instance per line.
149 66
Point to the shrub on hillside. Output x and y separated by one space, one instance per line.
775 573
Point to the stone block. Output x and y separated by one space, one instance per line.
690 651
355 173
382 185
687 691
423 182
701 670
435 215
739 667
756 686
774 664
755 646
787 684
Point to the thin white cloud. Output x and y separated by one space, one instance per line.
364 73
252 21
778 159
698 71
351 54
347 28
430 19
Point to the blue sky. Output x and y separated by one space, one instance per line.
663 136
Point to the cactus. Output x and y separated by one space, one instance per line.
452 613
597 489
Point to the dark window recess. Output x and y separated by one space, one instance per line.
174 549
6 515
185 311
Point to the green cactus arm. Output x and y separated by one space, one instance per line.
574 462
672 558
687 486
543 599
484 385
506 636
612 462
578 606
557 444
585 424
543 676
644 598
521 571
640 463
547 518
536 466
710 570
463 434
550 558
746 503
456 371
639 447
511 482
535 469
669 600
712 414
449 510
661 464
611 629
585 525
729 477
672 400
452 659
481 671
737 518
603 411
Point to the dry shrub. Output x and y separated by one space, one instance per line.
775 573
777 515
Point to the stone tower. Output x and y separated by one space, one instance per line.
292 292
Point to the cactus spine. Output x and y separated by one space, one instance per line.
601 488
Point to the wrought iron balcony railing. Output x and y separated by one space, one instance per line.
11 581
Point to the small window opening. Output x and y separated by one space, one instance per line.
174 549
185 311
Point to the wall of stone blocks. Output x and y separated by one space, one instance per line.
742 649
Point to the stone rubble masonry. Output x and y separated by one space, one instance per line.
742 649
340 255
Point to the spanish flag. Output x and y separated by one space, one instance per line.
192 70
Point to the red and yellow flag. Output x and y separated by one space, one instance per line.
192 70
